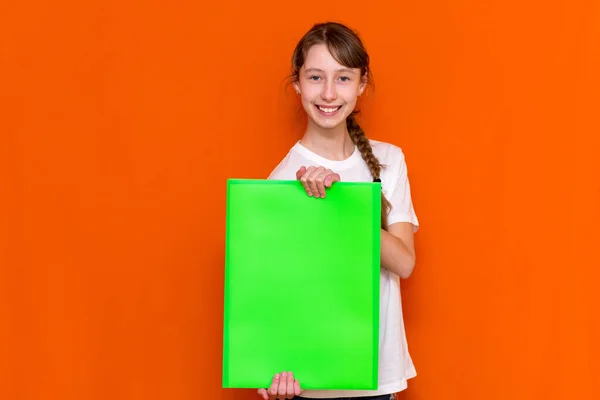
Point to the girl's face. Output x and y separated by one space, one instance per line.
328 90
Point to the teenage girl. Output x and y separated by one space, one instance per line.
330 70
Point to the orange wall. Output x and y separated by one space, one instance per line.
120 122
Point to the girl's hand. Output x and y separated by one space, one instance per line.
316 179
283 386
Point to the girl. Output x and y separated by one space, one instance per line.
330 70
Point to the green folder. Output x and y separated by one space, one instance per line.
301 284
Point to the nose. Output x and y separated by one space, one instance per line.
329 92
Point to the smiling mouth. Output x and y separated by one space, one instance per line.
327 110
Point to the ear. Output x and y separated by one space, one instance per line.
297 87
363 84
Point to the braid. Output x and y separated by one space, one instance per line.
364 146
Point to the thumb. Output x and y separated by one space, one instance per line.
329 179
263 393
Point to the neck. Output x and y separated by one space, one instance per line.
333 144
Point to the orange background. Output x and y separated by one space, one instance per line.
120 122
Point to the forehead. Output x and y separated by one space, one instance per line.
318 56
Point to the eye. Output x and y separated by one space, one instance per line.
344 78
314 77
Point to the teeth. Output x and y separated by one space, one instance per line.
328 110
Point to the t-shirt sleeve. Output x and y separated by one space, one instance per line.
284 170
400 197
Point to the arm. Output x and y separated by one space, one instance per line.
398 249
398 243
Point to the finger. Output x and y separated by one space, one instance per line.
263 393
311 181
272 392
329 179
290 386
297 390
325 180
319 179
282 386
307 179
304 180
300 172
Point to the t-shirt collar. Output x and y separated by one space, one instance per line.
333 165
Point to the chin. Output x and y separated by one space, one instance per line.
328 123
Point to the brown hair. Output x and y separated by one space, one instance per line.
347 48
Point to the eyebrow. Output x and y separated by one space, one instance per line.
339 70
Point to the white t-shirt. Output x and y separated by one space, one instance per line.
395 363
